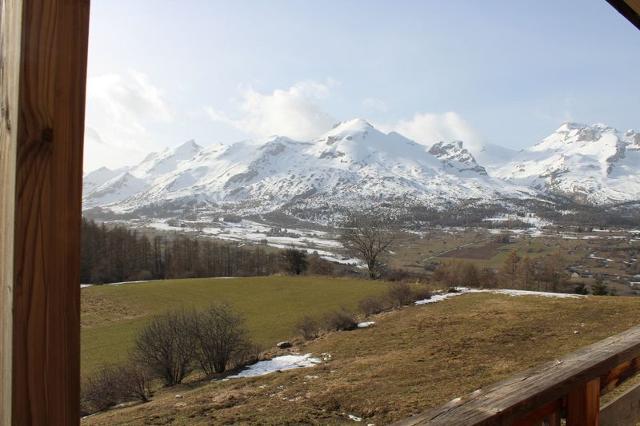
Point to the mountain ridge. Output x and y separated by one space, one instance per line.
356 165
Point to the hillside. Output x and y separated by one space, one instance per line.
412 359
113 314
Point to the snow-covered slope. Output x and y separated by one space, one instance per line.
114 190
98 177
106 187
456 156
356 165
591 164
353 164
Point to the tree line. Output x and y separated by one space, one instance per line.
545 273
116 254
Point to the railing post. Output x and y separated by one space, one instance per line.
583 405
552 419
43 63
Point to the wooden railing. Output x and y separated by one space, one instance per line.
569 388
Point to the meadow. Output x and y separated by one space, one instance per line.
112 315
413 359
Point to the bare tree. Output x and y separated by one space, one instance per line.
369 238
221 335
167 347
294 261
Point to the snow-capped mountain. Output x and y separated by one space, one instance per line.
93 180
590 164
353 164
455 155
356 165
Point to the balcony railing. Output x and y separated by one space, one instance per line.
569 388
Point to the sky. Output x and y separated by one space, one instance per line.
162 72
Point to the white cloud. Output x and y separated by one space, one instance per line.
375 105
427 129
120 108
292 112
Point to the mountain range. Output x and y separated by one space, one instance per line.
355 165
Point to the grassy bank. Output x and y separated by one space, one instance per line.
113 314
413 359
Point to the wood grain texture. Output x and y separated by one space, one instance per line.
623 410
548 413
47 170
510 400
583 404
10 30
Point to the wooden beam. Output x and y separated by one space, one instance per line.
623 410
548 413
514 398
630 9
43 60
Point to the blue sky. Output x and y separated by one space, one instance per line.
506 72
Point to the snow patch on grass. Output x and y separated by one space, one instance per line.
438 297
279 363
511 292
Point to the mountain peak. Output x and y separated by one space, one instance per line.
456 155
568 126
189 146
353 125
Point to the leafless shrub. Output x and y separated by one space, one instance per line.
396 275
249 354
220 335
114 384
400 294
320 266
421 293
100 390
308 328
469 275
372 305
135 380
488 278
167 347
340 320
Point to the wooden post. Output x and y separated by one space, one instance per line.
10 28
583 405
43 57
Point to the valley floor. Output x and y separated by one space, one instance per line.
411 360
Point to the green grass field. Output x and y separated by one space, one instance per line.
113 314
